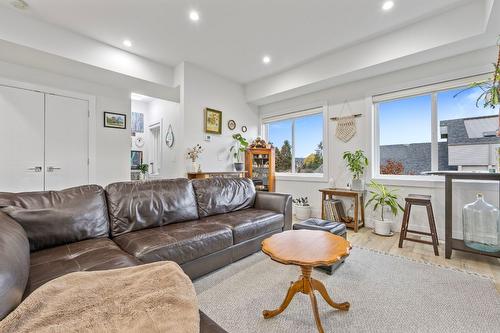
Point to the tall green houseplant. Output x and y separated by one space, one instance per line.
356 163
382 197
239 147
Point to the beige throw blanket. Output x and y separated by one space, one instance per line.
156 297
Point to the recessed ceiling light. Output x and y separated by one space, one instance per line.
388 5
127 43
194 15
266 59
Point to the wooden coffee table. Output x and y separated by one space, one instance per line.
307 249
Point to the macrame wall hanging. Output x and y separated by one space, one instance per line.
346 124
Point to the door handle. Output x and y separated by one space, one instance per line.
51 169
36 169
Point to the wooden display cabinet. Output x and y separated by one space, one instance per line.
260 165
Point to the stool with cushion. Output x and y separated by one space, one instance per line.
335 228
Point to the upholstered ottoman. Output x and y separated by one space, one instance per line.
335 228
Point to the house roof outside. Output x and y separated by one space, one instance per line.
470 131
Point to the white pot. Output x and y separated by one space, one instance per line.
382 228
357 185
302 212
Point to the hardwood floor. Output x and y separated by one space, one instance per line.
479 264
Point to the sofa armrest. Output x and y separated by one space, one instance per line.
276 202
14 264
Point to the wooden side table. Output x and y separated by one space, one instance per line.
306 249
359 204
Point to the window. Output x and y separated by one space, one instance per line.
439 129
405 136
298 140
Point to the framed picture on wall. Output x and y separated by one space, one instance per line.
135 159
213 121
137 123
115 120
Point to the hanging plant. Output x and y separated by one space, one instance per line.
490 89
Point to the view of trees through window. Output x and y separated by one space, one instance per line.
298 144
465 133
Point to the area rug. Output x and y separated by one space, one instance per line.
387 294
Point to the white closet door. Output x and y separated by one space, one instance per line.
21 137
66 142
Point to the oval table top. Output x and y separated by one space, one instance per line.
306 247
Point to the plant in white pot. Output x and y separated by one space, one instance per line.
302 208
239 147
382 198
356 163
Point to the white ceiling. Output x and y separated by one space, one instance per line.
232 36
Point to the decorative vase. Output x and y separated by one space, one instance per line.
238 166
194 166
481 225
302 212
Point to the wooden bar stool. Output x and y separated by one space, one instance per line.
419 200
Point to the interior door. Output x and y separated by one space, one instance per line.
21 136
66 142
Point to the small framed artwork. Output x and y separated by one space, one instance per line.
137 123
135 159
115 120
213 121
231 124
244 129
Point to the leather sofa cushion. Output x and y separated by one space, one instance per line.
55 218
223 195
14 264
249 223
140 205
179 242
89 255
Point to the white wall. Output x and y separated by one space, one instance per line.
203 89
359 96
112 146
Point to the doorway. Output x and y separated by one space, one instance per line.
153 124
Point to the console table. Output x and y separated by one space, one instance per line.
224 174
359 204
450 242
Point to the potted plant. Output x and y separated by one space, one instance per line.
490 89
382 197
239 147
302 208
193 154
143 169
356 163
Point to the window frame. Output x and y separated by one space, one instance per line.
433 90
292 114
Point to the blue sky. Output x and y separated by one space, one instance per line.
308 133
409 120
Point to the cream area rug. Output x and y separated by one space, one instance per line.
387 294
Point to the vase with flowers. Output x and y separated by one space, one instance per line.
193 154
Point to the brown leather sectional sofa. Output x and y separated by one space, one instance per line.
202 225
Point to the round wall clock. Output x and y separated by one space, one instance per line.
231 124
244 129
139 141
